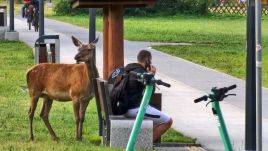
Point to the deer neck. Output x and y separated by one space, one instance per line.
92 70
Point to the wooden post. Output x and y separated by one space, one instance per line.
115 37
105 42
264 3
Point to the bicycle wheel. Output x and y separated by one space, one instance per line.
29 21
29 24
36 25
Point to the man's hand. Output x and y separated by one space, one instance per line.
153 70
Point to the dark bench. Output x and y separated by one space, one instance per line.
105 113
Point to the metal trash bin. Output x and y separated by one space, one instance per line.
47 52
3 15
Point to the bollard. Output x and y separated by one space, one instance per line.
47 52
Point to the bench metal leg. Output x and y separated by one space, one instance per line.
97 99
106 133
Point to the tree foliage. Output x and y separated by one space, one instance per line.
172 7
161 7
63 7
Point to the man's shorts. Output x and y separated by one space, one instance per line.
152 113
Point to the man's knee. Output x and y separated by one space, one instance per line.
170 122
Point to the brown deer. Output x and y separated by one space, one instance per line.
63 82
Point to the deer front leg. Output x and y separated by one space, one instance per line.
47 104
82 111
31 111
76 106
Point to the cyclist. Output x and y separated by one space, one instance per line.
35 3
25 5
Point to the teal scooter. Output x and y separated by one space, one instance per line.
148 80
215 96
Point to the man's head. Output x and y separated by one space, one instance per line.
143 55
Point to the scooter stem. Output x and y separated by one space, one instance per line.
222 127
137 124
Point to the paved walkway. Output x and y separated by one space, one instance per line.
188 81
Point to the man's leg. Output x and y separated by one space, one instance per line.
22 11
161 129
161 120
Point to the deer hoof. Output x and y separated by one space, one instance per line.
31 138
55 138
79 139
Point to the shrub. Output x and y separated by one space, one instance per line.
172 7
63 7
161 7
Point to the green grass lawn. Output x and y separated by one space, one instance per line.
16 58
180 28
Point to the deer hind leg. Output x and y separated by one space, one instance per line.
47 104
31 111
82 111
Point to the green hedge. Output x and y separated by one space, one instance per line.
172 7
63 7
161 7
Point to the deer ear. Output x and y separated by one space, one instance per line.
76 42
95 41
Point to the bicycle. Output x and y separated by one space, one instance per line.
35 20
32 17
217 95
148 80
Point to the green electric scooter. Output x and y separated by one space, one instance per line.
216 95
148 80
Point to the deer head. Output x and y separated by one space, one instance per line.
85 51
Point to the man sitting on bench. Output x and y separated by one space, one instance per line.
162 122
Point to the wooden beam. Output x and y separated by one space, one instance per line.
105 42
116 38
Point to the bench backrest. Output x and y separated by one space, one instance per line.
97 98
102 98
103 107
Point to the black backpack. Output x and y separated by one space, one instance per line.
118 82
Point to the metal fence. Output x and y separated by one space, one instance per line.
233 7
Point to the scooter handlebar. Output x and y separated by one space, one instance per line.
230 88
203 98
160 82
